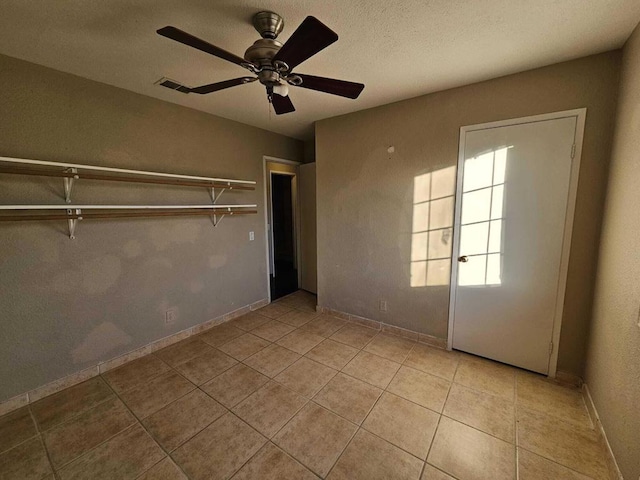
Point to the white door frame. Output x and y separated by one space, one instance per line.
580 115
268 233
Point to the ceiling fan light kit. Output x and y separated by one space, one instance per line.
271 61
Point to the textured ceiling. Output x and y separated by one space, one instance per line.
398 49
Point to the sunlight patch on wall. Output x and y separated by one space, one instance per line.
432 234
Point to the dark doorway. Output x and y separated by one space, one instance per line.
284 279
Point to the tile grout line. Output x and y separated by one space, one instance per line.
517 442
74 417
42 442
343 450
35 427
128 427
331 412
139 422
435 432
197 387
555 462
71 417
232 474
158 463
57 469
361 425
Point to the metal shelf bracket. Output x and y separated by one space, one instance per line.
73 222
216 219
68 183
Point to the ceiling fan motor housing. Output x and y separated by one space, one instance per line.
262 52
268 24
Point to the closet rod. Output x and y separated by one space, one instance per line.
123 207
122 214
120 178
24 161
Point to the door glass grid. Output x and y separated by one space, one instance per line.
431 239
482 218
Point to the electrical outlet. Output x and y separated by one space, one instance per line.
252 236
170 317
383 305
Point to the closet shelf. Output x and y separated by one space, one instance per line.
123 207
75 171
69 172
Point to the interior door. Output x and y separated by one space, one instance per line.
284 279
513 193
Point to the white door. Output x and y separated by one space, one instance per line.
513 200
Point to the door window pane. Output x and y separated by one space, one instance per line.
493 269
478 172
473 271
497 203
476 206
495 236
474 238
500 165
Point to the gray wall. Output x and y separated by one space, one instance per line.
66 305
308 234
365 193
613 357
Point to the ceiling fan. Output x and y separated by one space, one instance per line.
271 61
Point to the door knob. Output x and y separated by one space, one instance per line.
463 259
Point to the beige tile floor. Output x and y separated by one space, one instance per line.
287 393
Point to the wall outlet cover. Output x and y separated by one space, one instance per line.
252 236
171 317
383 305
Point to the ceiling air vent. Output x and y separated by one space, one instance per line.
167 82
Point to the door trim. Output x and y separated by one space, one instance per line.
266 179
580 115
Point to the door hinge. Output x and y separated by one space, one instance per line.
550 348
573 150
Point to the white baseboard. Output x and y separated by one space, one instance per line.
568 379
78 377
612 465
385 327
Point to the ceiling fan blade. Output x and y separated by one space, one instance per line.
309 38
331 85
282 104
214 87
183 37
